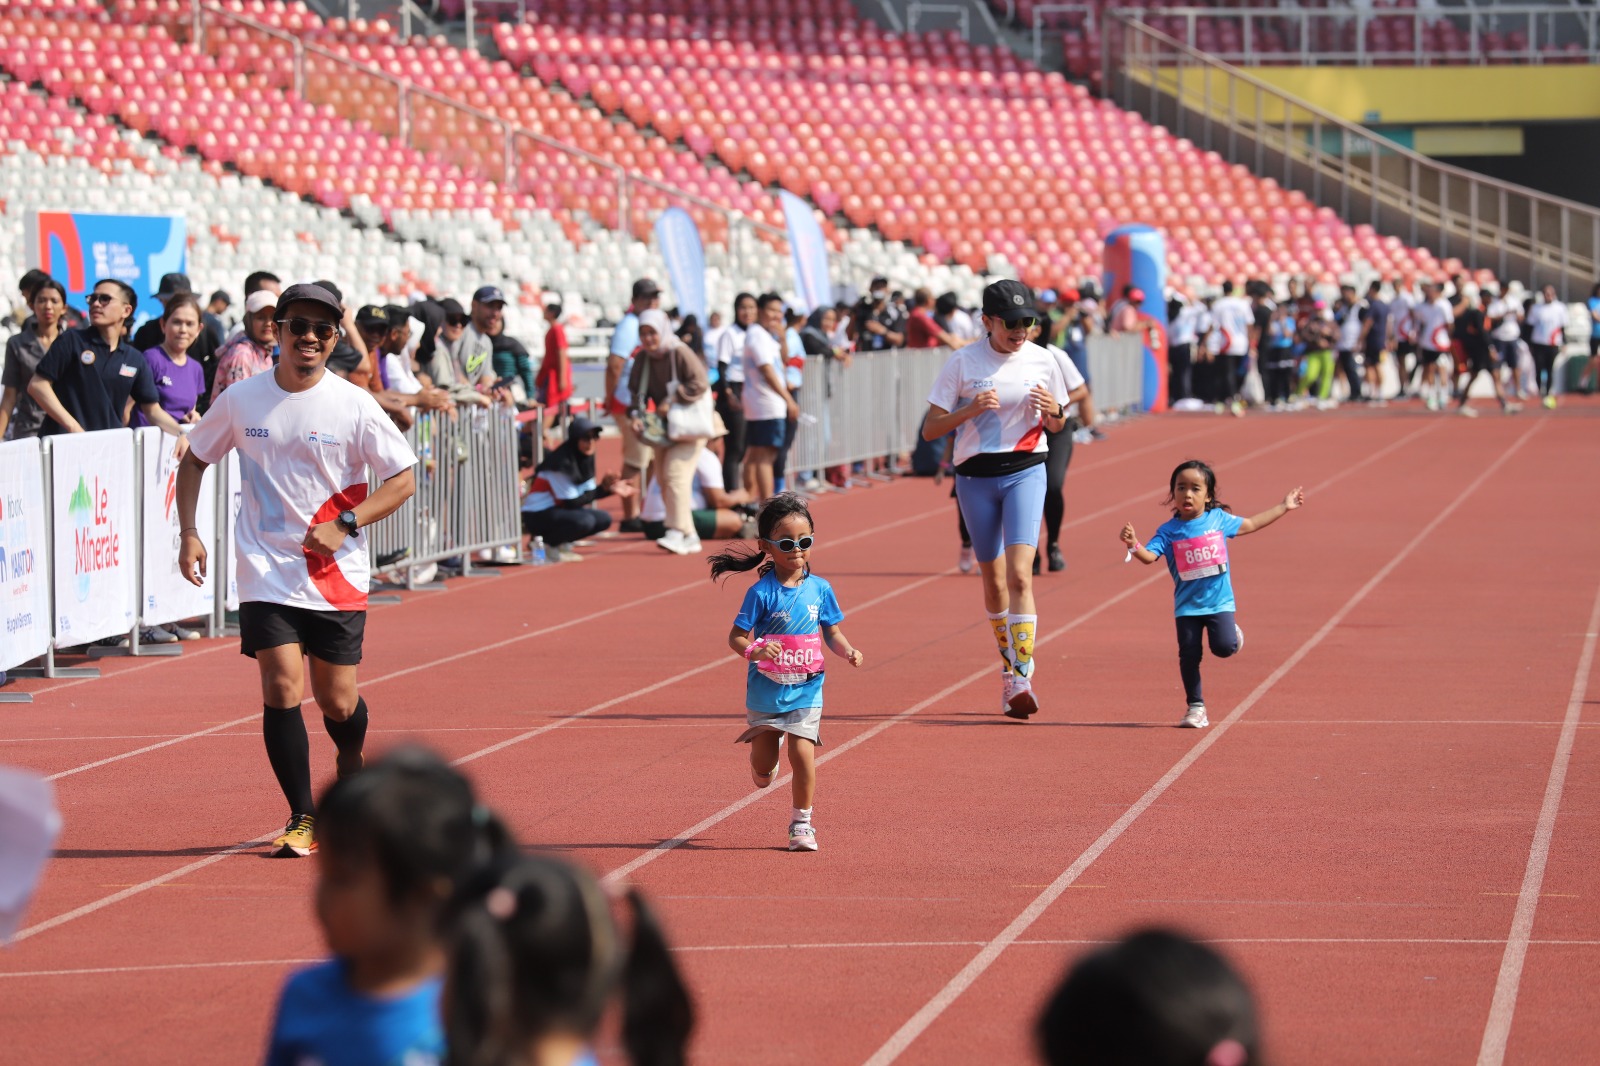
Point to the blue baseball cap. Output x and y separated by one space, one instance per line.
489 294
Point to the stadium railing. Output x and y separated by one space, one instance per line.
1516 231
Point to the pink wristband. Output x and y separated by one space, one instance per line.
754 646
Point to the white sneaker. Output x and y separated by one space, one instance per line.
1020 701
1512 408
562 553
802 837
966 560
1466 412
506 554
673 541
1196 718
691 545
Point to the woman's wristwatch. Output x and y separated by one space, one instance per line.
1061 410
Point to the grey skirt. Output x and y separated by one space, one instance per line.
805 722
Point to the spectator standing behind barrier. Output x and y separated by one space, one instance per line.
665 373
536 959
1347 315
180 380
1548 320
307 441
20 415
1318 336
619 371
202 349
1152 999
513 369
554 380
876 323
86 379
475 354
211 319
922 330
767 403
1183 318
443 358
717 513
1278 357
730 389
249 353
557 505
1374 342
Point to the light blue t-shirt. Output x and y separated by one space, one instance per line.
322 1020
624 342
1594 306
771 609
1191 547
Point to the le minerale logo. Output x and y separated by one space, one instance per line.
97 544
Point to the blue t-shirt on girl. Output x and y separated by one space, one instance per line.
1197 557
322 1020
796 616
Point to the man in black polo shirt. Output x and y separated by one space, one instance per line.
89 377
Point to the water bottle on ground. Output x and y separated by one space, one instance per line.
537 552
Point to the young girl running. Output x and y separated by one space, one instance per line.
393 842
786 618
536 957
1195 546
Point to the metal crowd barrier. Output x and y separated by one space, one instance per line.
1116 372
468 497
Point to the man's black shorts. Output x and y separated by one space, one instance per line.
332 636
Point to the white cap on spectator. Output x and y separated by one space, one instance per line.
259 299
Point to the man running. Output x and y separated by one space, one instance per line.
305 438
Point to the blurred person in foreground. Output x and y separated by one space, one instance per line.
1152 999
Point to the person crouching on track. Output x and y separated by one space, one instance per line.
1000 395
307 440
786 618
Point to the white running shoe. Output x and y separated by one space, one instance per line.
562 553
1238 635
1466 412
673 541
802 837
1196 718
691 545
1020 701
966 560
1512 408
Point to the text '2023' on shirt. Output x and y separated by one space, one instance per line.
795 617
303 458
1015 428
1197 558
321 1020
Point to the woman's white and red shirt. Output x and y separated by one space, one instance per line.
1015 428
303 458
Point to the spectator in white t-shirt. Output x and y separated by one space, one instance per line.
716 512
729 353
1548 321
767 403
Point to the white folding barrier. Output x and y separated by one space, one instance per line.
24 556
93 511
1116 372
166 595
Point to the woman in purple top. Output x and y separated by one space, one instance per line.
180 380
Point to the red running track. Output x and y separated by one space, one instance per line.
1388 826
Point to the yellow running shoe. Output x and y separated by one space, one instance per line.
297 839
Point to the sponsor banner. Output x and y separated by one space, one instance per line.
234 497
79 249
92 502
167 597
680 244
24 555
808 249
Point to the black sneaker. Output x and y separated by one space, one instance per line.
1056 560
631 525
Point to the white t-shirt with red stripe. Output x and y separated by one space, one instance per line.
1016 427
1234 319
303 458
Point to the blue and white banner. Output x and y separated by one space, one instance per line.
80 249
168 596
24 554
680 244
809 251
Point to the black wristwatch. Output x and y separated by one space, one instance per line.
348 520
1061 410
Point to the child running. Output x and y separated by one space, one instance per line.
1195 546
786 618
394 841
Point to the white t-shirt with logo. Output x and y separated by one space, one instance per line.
1070 372
1547 320
1433 325
730 352
303 458
762 403
707 471
1015 427
1509 314
1234 318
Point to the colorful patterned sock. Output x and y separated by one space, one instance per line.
1022 626
1001 637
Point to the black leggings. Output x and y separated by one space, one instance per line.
780 464
1277 378
730 405
1055 474
1544 366
561 525
1352 374
1220 631
1180 373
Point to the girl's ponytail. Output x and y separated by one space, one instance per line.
657 1014
739 560
736 560
480 1009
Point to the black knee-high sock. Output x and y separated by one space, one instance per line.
350 734
289 751
1055 508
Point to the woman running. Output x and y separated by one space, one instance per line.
999 396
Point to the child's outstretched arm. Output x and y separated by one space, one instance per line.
839 644
746 648
1135 549
1291 502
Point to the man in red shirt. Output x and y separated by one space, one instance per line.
555 372
922 331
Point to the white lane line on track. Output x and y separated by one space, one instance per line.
930 1012
629 868
1497 1030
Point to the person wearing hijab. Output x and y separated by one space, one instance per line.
667 372
559 505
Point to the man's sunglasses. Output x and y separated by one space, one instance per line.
299 327
457 320
787 545
99 298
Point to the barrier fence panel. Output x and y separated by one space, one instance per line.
25 629
1116 372
165 595
92 491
